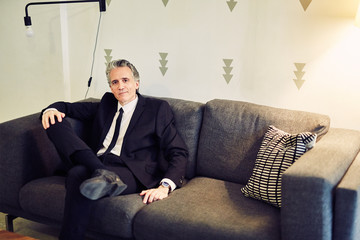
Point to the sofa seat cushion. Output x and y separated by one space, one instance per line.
44 197
112 216
208 208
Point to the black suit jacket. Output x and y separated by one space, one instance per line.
152 148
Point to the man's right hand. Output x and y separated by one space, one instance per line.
50 116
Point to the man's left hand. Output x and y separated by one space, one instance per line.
155 194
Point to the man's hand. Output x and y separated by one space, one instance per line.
154 194
50 115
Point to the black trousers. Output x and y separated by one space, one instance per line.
77 207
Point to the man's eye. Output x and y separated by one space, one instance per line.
125 80
114 82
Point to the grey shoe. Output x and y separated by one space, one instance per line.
103 183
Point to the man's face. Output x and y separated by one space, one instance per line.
123 84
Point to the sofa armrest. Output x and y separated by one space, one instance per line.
26 153
347 204
308 186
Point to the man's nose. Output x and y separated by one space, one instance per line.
121 85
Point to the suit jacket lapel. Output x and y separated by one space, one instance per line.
109 113
136 115
107 125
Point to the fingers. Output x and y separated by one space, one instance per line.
153 195
45 121
50 116
60 116
148 197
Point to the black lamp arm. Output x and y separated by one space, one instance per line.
27 18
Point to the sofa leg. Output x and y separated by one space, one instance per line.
9 222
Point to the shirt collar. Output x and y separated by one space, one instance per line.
129 106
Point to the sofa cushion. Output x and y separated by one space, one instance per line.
44 197
232 133
208 209
111 216
278 151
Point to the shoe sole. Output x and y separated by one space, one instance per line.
97 189
117 189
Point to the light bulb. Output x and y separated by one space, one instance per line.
29 31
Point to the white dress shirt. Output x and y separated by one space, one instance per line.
125 121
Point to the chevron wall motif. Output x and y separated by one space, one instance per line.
198 50
305 4
163 63
227 76
299 74
165 2
231 4
108 56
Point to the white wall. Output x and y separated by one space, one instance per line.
264 39
31 68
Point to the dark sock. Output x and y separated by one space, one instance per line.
88 159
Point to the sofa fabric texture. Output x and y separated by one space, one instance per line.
308 186
223 138
25 154
188 118
232 133
347 204
211 209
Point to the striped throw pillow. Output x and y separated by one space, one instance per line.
278 151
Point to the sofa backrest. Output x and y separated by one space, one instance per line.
232 132
188 118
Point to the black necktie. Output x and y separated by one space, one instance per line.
116 133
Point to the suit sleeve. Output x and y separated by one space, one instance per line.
79 110
172 145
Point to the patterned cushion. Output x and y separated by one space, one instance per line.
277 152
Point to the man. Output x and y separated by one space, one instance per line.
134 147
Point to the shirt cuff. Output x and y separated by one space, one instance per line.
49 109
170 182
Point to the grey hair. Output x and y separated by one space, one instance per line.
121 63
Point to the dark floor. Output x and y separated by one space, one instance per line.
31 229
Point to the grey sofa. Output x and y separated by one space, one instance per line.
223 138
347 204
